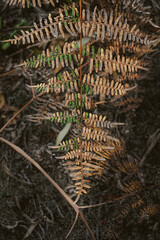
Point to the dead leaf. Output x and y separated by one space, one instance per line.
63 133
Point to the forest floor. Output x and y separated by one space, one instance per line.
29 205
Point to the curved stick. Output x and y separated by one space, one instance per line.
75 220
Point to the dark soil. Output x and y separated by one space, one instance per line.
27 200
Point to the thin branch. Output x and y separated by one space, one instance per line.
17 113
33 94
76 218
88 227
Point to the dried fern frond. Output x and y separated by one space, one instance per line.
128 166
58 84
127 103
100 60
117 152
98 121
88 146
102 85
90 169
92 165
98 25
136 204
82 160
106 61
119 160
129 47
68 55
77 153
70 82
96 135
136 5
74 116
26 3
130 77
132 186
125 211
148 211
143 12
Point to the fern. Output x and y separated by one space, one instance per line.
102 62
98 25
149 210
27 3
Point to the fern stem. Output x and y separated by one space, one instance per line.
81 159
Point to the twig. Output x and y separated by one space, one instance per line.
76 218
17 113
33 94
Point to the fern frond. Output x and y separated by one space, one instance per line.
138 202
88 146
132 186
93 141
98 25
125 211
128 103
129 47
26 3
85 155
53 58
96 135
59 117
115 154
64 117
106 61
137 6
67 145
69 82
93 165
150 210
127 77
102 85
89 170
98 121
89 120
127 166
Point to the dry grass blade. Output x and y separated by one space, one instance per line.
151 143
30 230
